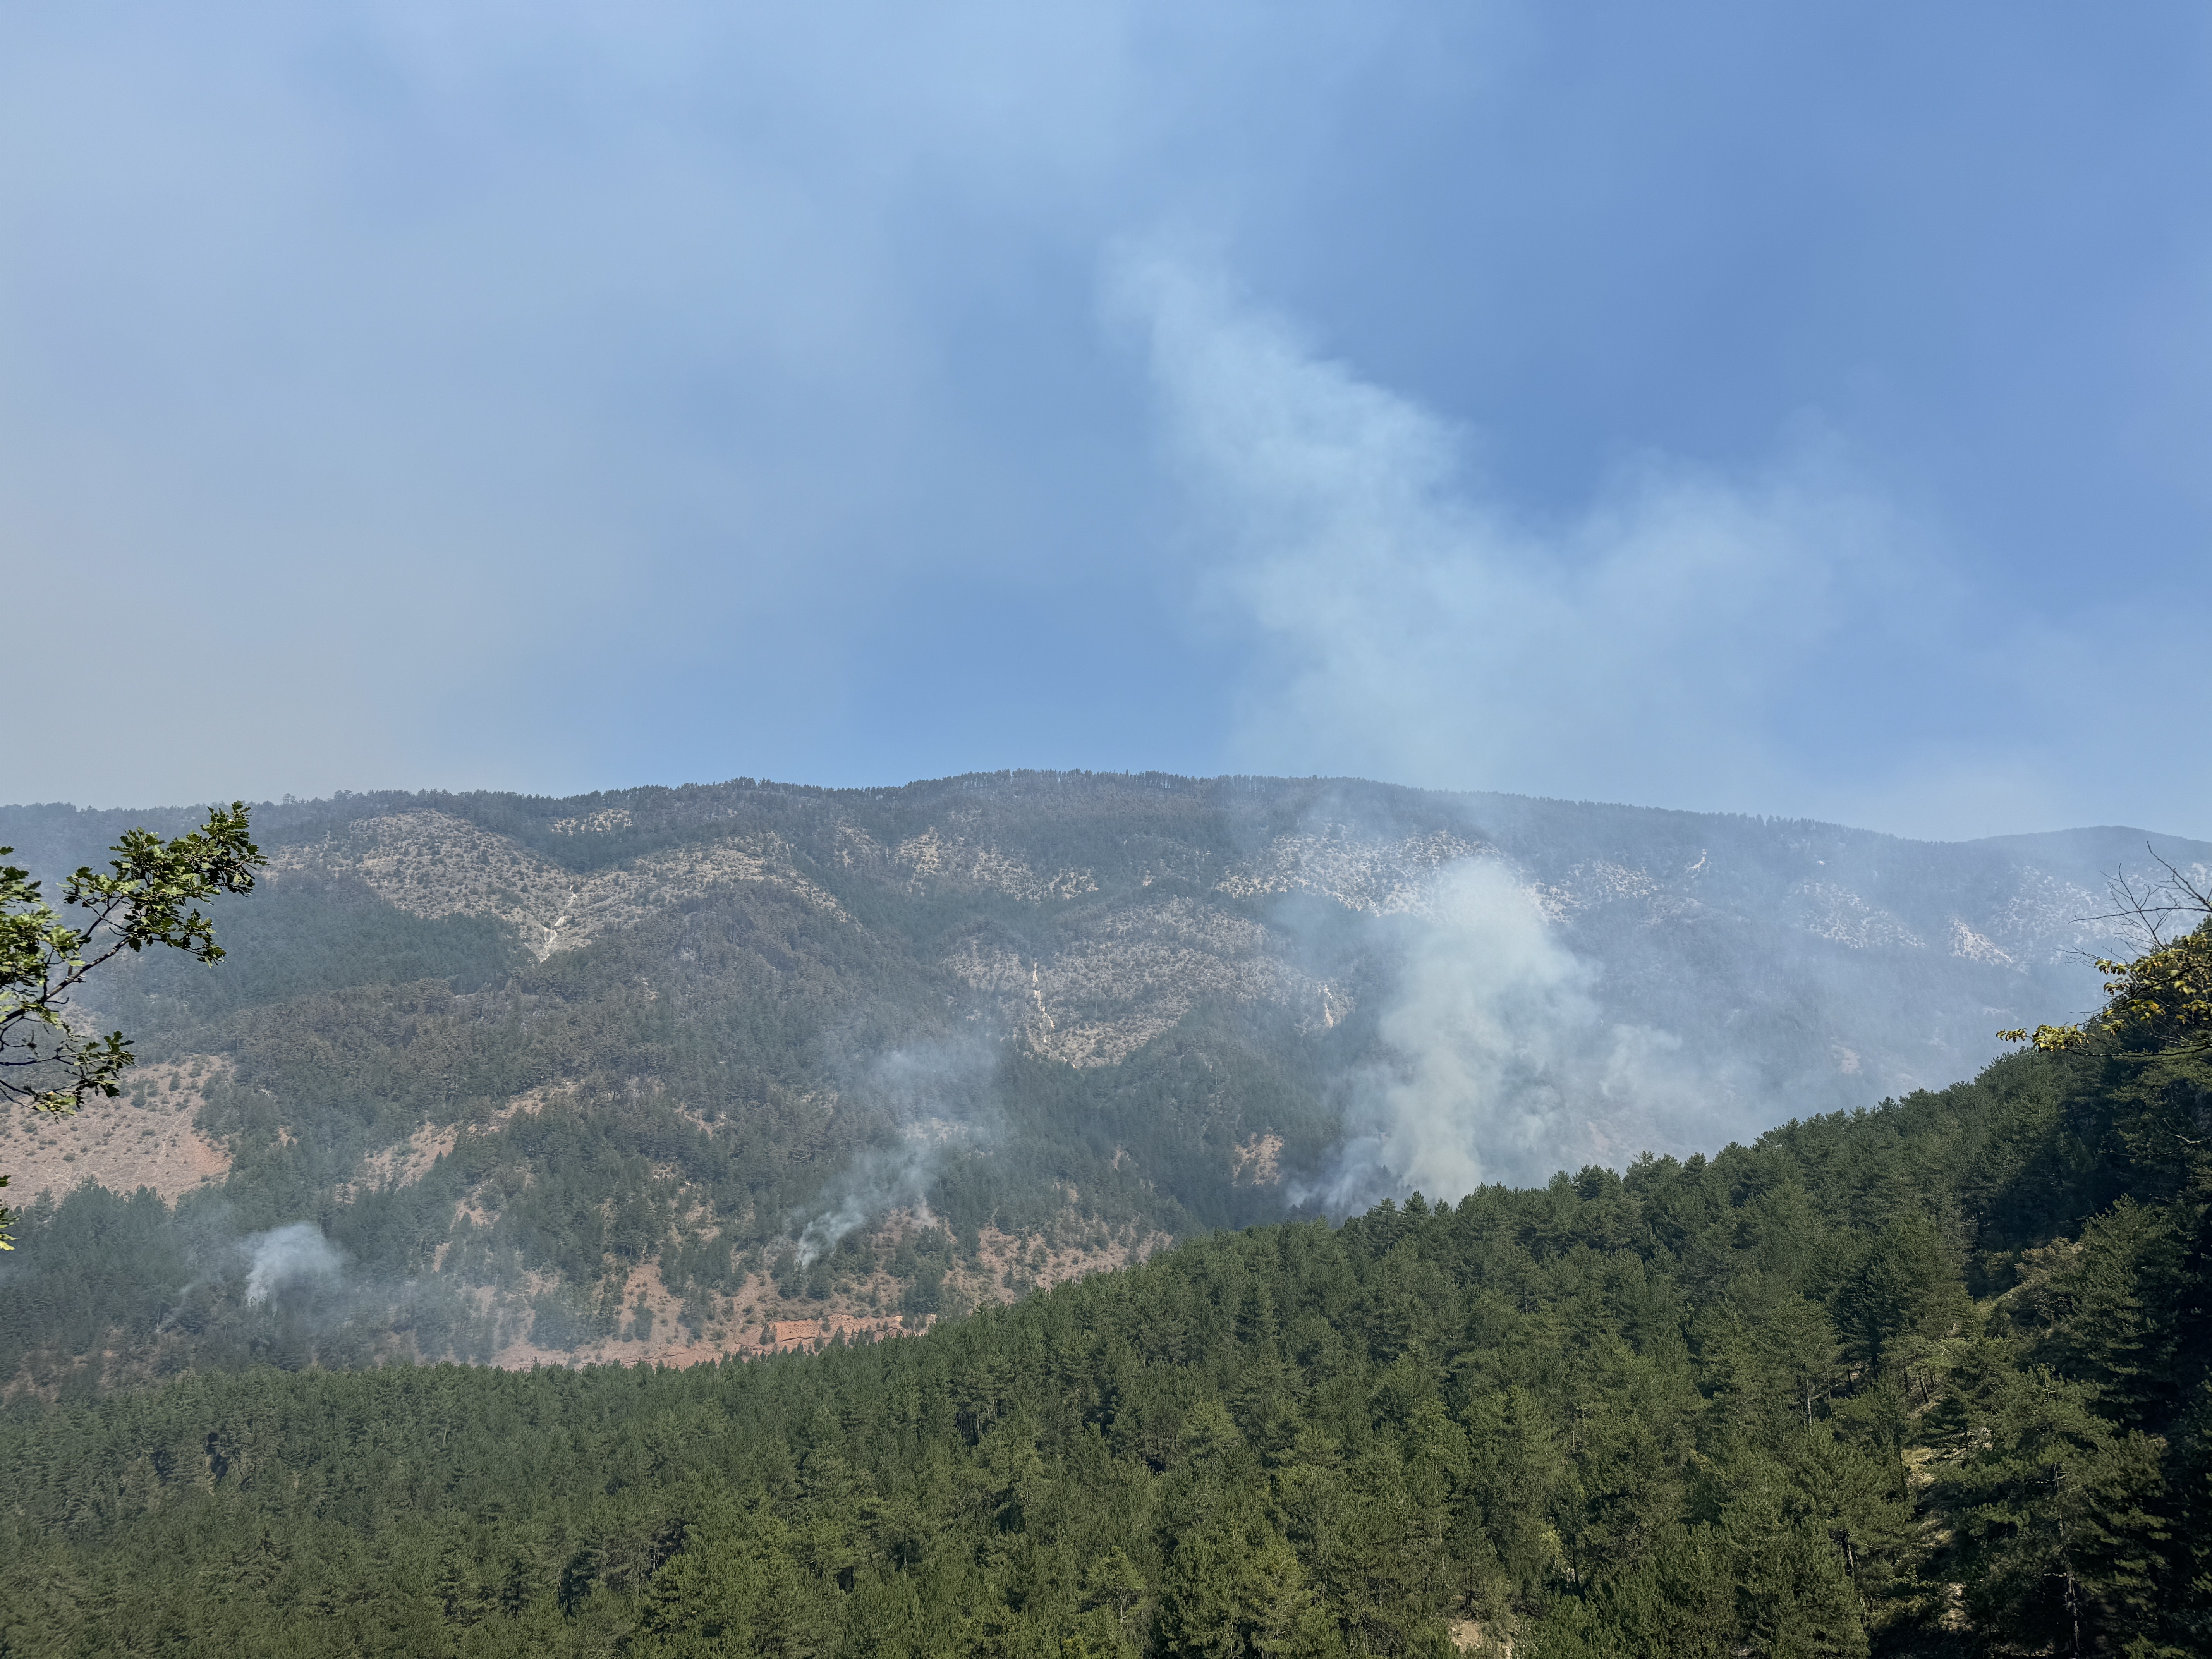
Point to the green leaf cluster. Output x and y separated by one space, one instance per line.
150 894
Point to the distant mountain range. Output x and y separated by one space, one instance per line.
646 1072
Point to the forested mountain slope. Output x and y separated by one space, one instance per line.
675 1073
1926 1380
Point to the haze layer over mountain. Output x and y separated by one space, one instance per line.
676 1072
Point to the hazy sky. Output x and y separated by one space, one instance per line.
1789 409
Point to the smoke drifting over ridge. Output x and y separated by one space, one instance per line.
1412 627
1659 646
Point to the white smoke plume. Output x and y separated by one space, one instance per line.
281 1256
933 1092
294 1255
878 1182
1501 1064
1407 623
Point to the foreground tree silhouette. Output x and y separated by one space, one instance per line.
50 1060
2158 1005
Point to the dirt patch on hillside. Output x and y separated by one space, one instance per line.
141 1139
1469 1636
748 1325
410 1160
405 1164
757 1320
1010 1266
1257 1162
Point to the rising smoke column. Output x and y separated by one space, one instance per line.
1489 1011
1406 621
298 1254
1500 1065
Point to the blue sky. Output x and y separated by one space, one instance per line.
1795 409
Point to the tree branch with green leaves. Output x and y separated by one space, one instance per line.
2158 1004
50 1060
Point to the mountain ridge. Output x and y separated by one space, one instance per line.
531 1059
